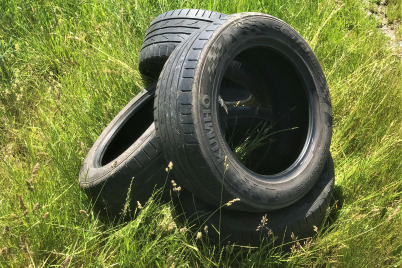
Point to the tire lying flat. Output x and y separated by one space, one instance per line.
188 122
125 159
167 31
171 28
241 227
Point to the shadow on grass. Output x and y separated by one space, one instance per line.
5 76
335 205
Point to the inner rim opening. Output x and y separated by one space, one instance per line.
267 133
129 132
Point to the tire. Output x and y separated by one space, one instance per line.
295 90
167 31
241 227
126 159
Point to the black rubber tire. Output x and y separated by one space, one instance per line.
126 153
241 227
187 116
128 148
168 30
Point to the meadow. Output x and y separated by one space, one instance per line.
68 67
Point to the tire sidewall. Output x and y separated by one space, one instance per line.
227 42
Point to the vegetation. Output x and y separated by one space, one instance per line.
393 11
67 67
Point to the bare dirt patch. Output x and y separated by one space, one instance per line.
389 28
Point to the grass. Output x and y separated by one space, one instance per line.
259 136
254 138
67 67
390 15
394 10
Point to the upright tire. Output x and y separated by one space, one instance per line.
188 122
167 31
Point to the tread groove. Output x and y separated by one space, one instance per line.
161 42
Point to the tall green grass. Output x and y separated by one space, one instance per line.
67 67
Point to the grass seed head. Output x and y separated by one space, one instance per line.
35 207
170 166
139 206
30 184
295 247
308 243
177 189
66 261
126 208
263 222
270 232
114 165
25 213
83 212
171 226
45 215
198 236
22 204
168 226
293 236
394 214
35 170
232 201
206 229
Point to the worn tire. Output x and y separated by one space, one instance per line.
241 227
188 123
165 32
125 159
